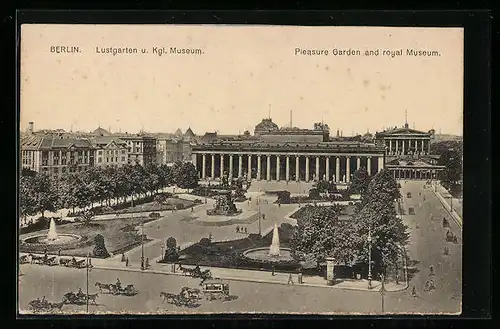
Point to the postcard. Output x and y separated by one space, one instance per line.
219 169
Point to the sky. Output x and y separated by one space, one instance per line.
244 74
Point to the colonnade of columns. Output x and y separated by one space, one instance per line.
417 173
403 146
278 167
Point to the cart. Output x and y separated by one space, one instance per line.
215 290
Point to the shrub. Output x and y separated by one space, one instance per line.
100 250
314 194
171 243
154 215
284 197
205 242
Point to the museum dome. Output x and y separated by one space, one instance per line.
266 125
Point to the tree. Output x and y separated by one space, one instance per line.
45 194
27 196
314 194
284 197
186 176
452 173
171 252
360 181
319 234
378 215
87 217
28 172
100 250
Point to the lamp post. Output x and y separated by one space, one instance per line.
260 229
89 267
382 290
162 254
370 258
142 244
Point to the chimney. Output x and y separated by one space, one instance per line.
30 127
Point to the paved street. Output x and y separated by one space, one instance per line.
427 244
54 282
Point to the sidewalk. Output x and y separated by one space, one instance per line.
115 264
444 197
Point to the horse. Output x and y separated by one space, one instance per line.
187 271
92 298
57 305
36 259
64 261
102 286
167 297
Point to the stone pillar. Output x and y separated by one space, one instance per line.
390 146
307 168
369 165
287 173
258 167
204 166
422 145
230 167
249 164
317 169
429 147
337 169
278 168
330 271
213 166
268 168
193 159
348 169
358 163
297 169
380 163
397 147
403 142
327 165
240 166
416 147
221 165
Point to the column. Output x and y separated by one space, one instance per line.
416 147
297 171
204 166
380 163
287 173
397 149
240 166
230 167
268 167
348 169
258 167
358 163
278 168
337 169
193 159
390 146
307 168
403 142
422 146
249 164
317 169
327 165
429 147
369 166
221 165
213 166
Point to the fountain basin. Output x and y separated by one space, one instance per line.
61 239
262 255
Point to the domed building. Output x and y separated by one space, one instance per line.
265 126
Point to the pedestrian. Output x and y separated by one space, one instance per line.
126 262
300 277
59 252
147 262
210 236
123 257
431 270
446 251
237 229
279 205
263 217
290 279
192 209
246 230
142 264
414 292
272 269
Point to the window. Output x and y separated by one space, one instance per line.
99 159
123 159
116 159
99 152
123 151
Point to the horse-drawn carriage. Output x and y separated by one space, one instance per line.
79 298
42 260
72 262
215 290
24 259
188 297
42 305
196 272
450 237
115 289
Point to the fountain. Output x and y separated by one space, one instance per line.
274 249
52 237
274 254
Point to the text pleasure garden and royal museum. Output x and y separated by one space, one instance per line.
294 154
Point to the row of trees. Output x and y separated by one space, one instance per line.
322 234
450 156
40 192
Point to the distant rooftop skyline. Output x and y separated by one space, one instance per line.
246 73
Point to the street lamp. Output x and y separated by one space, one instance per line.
142 244
162 254
89 267
382 290
370 258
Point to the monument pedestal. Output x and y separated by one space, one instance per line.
330 274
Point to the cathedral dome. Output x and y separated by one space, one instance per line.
266 125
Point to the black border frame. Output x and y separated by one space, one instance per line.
477 124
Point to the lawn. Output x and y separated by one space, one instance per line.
119 235
305 211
